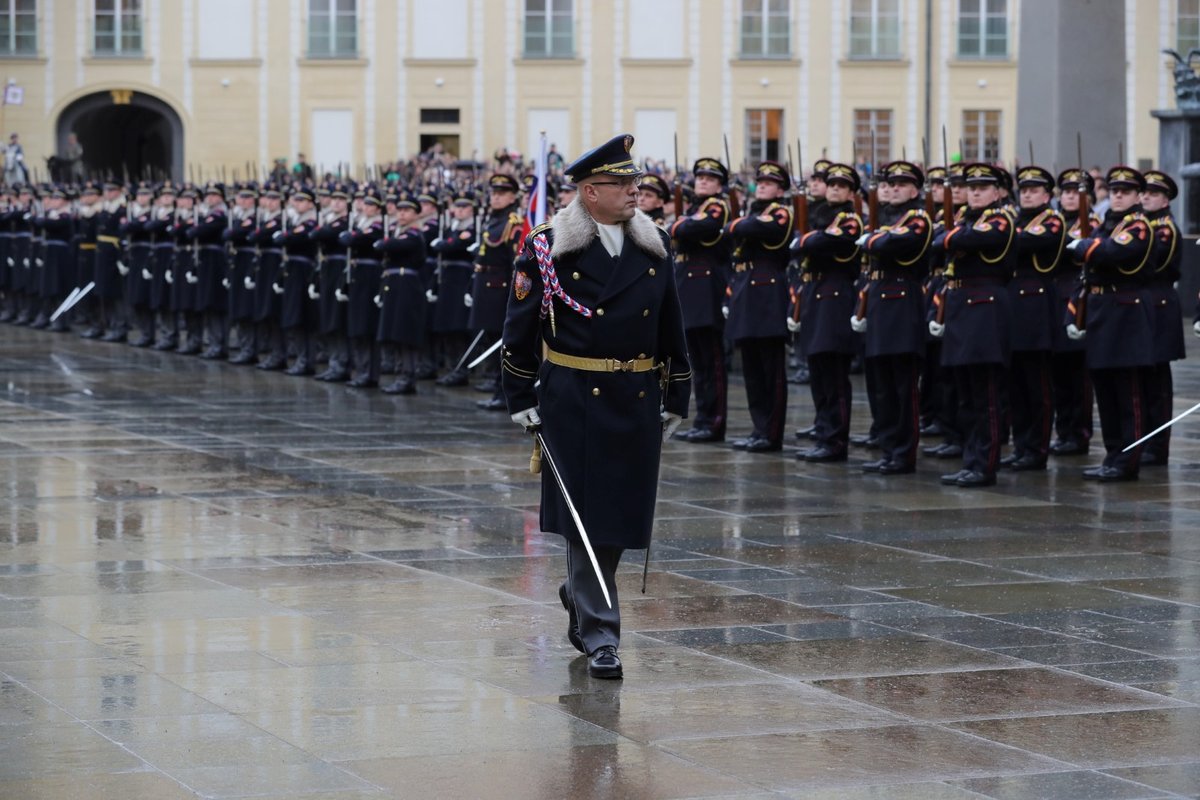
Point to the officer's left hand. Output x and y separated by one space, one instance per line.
671 423
430 296
936 329
468 301
121 268
725 312
147 275
378 301
225 282
1196 328
793 325
858 324
1074 333
860 241
313 294
276 288
191 278
169 276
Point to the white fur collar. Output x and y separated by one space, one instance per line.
575 230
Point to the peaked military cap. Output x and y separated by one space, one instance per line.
936 175
402 199
903 171
464 198
821 168
271 189
248 190
1161 182
59 192
340 190
189 191
167 189
1070 180
145 187
504 183
711 166
1125 178
1035 176
215 187
655 183
843 173
980 173
428 196
304 193
111 184
611 158
773 171
89 187
956 174
371 195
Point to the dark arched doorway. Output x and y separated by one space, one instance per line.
124 133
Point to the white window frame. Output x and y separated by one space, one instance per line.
1191 16
883 122
118 14
550 10
756 136
987 10
329 10
8 48
876 48
975 134
762 45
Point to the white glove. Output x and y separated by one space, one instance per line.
860 241
313 294
191 278
121 268
11 263
42 263
671 423
793 325
468 301
341 296
473 248
169 276
527 419
1196 327
936 329
249 283
25 263
435 242
430 296
147 275
276 288
378 301
1074 244
858 325
225 282
725 312
1074 334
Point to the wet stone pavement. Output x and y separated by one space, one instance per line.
223 583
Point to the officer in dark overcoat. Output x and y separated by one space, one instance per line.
455 254
1033 294
895 318
8 214
264 281
702 274
758 308
1168 311
362 315
85 232
211 297
108 262
56 276
183 287
1119 331
241 266
298 312
137 287
333 222
499 241
830 259
595 355
162 258
402 289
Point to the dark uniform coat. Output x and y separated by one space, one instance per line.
331 312
603 429
237 236
402 318
982 254
1120 319
362 315
1033 292
267 302
702 262
759 306
57 274
1069 283
183 294
895 302
162 258
108 252
831 263
85 264
493 269
453 280
1168 311
137 288
210 261
299 266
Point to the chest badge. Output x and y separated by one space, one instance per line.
521 285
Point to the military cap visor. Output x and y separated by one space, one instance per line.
1125 178
982 175
654 183
773 171
843 173
504 183
1034 176
611 158
820 168
1161 182
903 172
711 167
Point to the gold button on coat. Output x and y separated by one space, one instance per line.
641 394
599 312
596 392
652 272
645 312
575 275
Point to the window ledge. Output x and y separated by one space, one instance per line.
332 62
136 60
874 61
526 61
656 62
441 62
225 62
21 58
783 61
986 63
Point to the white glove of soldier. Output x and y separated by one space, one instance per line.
473 248
276 288
190 277
121 268
147 275
169 276
1075 244
430 296
1196 326
435 242
793 325
527 419
42 263
671 423
725 312
857 324
11 263
860 241
225 282
936 329
1074 334
313 294
249 283
341 296
378 301
468 301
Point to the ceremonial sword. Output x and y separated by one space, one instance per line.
1161 428
74 297
478 336
485 354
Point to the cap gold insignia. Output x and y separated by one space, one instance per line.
979 172
628 143
1029 174
1122 175
708 163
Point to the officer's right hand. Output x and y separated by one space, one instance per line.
225 282
793 325
430 296
858 324
936 329
11 263
249 283
860 241
341 296
121 268
313 294
378 301
190 277
1074 333
468 301
276 288
527 419
473 248
1196 328
169 276
725 312
147 275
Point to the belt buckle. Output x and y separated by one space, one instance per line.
622 366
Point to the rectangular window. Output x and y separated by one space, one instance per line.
766 29
656 29
225 28
1187 34
764 134
118 28
878 120
983 28
439 116
332 29
18 27
875 29
981 136
440 29
549 29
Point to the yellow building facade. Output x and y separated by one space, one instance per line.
165 84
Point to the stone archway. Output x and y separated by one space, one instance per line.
124 133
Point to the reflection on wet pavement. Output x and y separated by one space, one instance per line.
222 583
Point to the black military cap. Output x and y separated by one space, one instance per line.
655 183
611 158
1035 176
936 175
59 192
711 166
1070 180
821 168
112 184
89 187
981 174
271 189
464 198
248 190
371 195
773 171
1125 178
145 187
956 174
843 173
1161 182
304 193
215 187
167 189
189 190
504 183
401 199
341 191
428 196
899 171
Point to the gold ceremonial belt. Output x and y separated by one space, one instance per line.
599 364
108 239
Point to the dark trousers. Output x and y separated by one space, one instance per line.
599 625
337 349
365 351
896 405
216 329
141 321
710 381
1073 397
168 327
1032 396
270 335
304 343
981 415
1120 397
1160 402
764 368
830 386
194 322
939 400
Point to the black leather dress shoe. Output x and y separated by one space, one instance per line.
1092 473
970 479
400 386
860 441
824 455
273 364
741 444
934 428
90 333
425 372
952 478
1028 463
949 451
1061 448
801 377
113 336
1010 459
299 369
214 354
762 445
605 663
897 468
806 433
141 342
572 619
490 387
334 376
184 350
1151 460
165 345
493 404
1114 475
243 358
703 435
363 383
933 449
457 377
874 466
